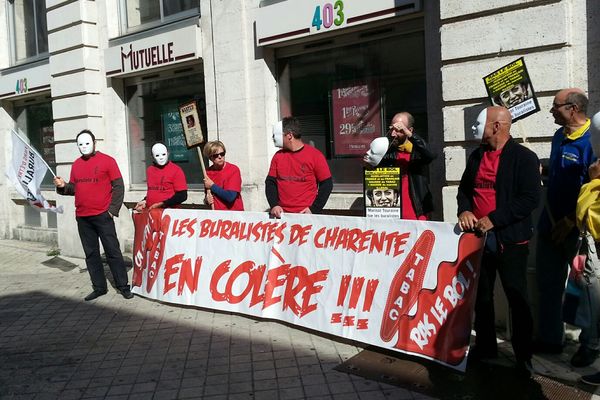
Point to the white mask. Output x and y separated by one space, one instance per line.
595 134
479 126
377 150
160 154
278 134
85 144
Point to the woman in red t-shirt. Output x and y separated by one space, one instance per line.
223 180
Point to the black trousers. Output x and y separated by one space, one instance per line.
511 263
102 227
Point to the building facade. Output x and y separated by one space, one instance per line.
122 67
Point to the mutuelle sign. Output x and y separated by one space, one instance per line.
155 51
289 20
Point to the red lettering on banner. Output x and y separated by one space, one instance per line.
187 277
298 233
362 323
356 240
180 227
348 320
273 282
370 294
336 318
344 284
357 284
242 231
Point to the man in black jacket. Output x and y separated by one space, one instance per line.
411 153
499 190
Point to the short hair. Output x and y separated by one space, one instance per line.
86 131
291 125
578 99
211 146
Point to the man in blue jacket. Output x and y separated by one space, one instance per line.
499 190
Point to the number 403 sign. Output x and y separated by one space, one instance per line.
328 15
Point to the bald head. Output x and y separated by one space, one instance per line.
500 114
570 108
497 127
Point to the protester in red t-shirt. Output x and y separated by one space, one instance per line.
98 188
223 180
299 180
166 182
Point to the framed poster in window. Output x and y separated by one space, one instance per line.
173 133
191 124
355 116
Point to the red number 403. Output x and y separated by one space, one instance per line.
326 18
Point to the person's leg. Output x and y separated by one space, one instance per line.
485 330
91 248
551 276
114 257
513 275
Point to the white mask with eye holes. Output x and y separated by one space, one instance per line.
160 154
278 134
377 150
479 126
595 134
85 144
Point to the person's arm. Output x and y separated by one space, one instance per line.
117 195
67 190
325 188
178 198
421 147
271 191
228 196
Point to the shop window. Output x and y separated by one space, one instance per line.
146 13
28 29
371 81
153 115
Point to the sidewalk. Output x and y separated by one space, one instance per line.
53 345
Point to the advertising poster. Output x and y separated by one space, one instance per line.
173 134
356 116
406 286
191 124
511 87
382 193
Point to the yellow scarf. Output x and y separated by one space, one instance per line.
405 147
588 208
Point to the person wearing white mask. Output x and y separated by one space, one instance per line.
167 186
97 185
299 179
498 192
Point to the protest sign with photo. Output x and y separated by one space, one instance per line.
382 192
511 87
191 124
408 286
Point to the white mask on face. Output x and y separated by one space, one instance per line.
479 126
377 150
595 134
160 154
278 134
85 144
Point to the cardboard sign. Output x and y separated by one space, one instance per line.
191 124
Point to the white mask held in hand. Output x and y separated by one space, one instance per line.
160 154
85 144
595 134
377 150
479 126
278 134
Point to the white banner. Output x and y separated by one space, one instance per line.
26 172
404 285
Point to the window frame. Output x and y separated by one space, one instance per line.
10 15
164 20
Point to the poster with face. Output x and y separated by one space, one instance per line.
191 124
382 192
511 87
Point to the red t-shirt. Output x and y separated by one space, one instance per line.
92 178
408 211
164 182
484 192
228 178
297 174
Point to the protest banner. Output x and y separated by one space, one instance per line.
382 192
26 172
511 87
408 286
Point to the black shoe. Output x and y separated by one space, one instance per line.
94 295
524 369
127 293
547 348
584 357
591 379
477 353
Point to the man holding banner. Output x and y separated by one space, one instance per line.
98 188
499 190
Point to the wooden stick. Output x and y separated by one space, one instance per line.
201 158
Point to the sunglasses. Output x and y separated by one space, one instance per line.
213 156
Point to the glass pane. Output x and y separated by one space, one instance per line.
391 85
140 12
153 110
175 6
25 43
42 29
36 122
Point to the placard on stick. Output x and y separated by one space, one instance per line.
192 130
